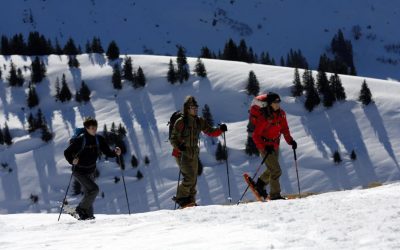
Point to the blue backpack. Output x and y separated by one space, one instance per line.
79 132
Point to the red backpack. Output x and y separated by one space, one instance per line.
258 102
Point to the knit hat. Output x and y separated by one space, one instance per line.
273 97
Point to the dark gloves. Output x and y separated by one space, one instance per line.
223 127
294 145
269 149
182 147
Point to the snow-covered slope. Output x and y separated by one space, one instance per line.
158 26
357 219
41 169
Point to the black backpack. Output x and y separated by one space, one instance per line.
175 116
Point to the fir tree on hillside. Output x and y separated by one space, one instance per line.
205 52
200 69
65 93
134 161
337 87
171 75
33 99
253 86
139 175
116 77
58 89
70 48
353 155
31 123
38 71
7 135
365 94
207 115
88 48
297 88
84 92
20 78
1 137
127 70
183 66
146 160
112 51
324 89
343 52
57 49
12 77
230 51
312 97
336 157
96 46
139 79
73 62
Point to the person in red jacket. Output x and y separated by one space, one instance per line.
268 129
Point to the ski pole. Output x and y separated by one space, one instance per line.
254 176
227 170
123 180
65 197
297 171
177 186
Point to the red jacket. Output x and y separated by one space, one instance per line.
268 131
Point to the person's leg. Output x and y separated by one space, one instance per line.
90 191
189 174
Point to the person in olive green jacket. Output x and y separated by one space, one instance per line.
185 141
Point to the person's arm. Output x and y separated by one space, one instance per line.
73 150
207 129
104 148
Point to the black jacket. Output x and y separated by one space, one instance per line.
88 156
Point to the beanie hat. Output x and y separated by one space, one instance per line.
189 101
272 97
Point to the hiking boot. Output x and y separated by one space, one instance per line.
260 187
81 213
277 197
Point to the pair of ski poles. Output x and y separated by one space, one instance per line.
227 173
262 162
69 183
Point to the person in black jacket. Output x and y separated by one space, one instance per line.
82 153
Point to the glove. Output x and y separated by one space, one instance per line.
269 149
223 127
182 147
294 145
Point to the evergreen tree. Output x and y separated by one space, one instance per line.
337 87
33 98
12 78
73 62
5 48
325 90
253 86
336 157
20 78
116 77
200 69
297 88
127 71
139 175
207 115
17 45
353 155
88 48
38 70
312 97
106 134
96 46
121 131
230 51
365 96
183 67
134 161
1 137
172 75
40 121
242 52
46 134
282 61
31 123
112 51
58 90
84 92
70 48
57 49
7 135
65 93
140 79
146 160
205 53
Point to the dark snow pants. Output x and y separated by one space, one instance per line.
188 166
90 191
